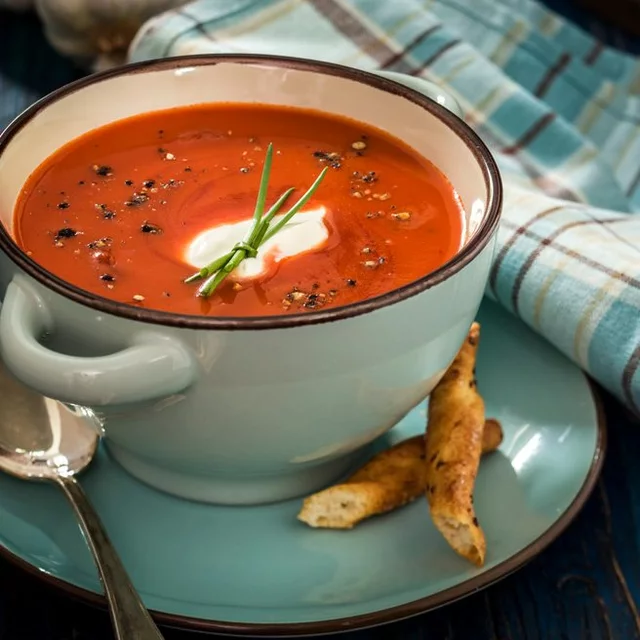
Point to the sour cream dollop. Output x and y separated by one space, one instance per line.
306 231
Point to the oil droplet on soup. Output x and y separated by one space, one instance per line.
119 210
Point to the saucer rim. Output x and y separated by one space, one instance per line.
376 618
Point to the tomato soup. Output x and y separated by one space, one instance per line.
116 210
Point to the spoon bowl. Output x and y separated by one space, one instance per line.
41 439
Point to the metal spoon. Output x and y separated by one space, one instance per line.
41 439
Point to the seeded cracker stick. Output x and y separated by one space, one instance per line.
454 446
388 481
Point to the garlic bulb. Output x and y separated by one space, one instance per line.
97 33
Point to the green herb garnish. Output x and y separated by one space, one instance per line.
261 231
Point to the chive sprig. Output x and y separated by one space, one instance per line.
261 231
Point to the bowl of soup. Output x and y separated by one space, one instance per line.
114 190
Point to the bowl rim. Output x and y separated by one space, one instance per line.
462 258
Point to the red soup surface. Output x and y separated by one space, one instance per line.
114 210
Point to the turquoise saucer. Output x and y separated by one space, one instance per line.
258 571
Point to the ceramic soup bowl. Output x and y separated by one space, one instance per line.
243 410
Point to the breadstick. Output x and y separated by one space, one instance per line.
388 481
491 435
454 447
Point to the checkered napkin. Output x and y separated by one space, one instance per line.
560 111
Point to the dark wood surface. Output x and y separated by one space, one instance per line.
624 14
585 586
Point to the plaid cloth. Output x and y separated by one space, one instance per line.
560 110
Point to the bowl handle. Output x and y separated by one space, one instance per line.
153 365
425 87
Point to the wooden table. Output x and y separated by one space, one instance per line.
585 586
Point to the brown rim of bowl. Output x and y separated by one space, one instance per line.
377 618
478 241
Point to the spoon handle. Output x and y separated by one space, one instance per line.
129 616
